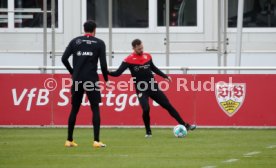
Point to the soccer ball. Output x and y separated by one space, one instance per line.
180 131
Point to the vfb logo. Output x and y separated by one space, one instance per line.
42 97
230 96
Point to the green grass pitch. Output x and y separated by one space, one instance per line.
127 148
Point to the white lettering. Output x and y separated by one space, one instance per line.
210 83
133 100
108 99
85 101
118 101
121 102
42 100
122 86
184 84
31 95
66 82
193 87
163 83
19 100
61 95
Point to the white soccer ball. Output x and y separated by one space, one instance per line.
180 131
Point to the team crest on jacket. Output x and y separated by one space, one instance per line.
145 56
230 96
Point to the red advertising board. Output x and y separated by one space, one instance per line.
206 100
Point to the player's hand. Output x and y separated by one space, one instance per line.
169 79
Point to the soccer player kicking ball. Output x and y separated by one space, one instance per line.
141 66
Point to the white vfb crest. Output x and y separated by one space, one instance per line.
230 96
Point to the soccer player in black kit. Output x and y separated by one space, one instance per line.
86 51
141 66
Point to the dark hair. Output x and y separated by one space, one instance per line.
89 26
136 42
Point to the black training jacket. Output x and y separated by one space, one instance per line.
86 51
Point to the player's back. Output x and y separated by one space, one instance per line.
86 51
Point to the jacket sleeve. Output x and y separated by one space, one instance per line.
67 53
120 70
103 63
157 70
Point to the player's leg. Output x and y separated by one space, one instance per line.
144 102
164 102
94 98
96 120
77 94
96 125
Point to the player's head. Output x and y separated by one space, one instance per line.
137 46
89 26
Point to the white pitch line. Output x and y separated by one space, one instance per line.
250 154
230 160
271 147
209 167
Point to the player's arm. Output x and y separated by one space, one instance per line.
157 70
67 53
103 63
120 70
